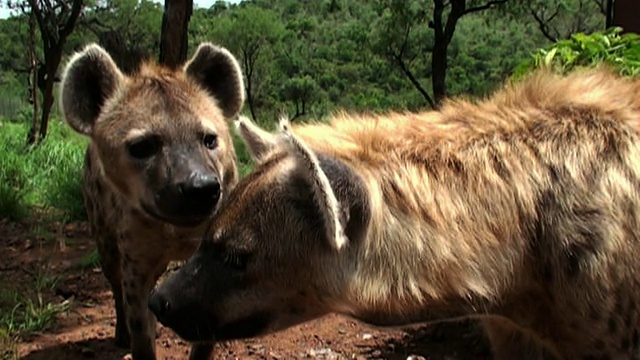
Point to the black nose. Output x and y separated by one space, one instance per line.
200 188
159 305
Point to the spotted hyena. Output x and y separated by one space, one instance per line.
522 210
159 161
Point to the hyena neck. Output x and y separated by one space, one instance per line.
433 263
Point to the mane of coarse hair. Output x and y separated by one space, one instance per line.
371 139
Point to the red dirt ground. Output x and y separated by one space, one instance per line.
87 330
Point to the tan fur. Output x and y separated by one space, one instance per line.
520 209
130 200
395 148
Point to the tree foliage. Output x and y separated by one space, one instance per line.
309 58
127 29
611 48
56 21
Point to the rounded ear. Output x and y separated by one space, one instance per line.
323 196
258 141
217 71
90 78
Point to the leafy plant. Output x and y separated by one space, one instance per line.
619 51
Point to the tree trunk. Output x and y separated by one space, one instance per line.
52 62
34 98
625 15
248 71
608 14
439 71
174 39
439 52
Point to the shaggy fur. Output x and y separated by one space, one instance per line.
520 209
159 159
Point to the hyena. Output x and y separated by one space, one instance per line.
159 161
521 210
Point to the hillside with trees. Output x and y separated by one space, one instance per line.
307 58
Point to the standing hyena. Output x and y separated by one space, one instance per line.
523 210
159 160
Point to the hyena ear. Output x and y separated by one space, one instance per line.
217 71
323 195
90 78
258 141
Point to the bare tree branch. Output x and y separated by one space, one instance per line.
543 24
413 80
486 6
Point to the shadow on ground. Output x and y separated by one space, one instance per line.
450 340
96 349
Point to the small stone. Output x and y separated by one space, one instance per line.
367 337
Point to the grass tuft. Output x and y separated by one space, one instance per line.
46 176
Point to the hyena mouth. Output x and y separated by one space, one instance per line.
186 221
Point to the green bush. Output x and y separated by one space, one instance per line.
619 51
46 176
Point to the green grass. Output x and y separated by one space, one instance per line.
23 313
90 260
46 176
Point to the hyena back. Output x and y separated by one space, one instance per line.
159 160
521 210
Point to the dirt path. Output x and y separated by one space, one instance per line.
52 254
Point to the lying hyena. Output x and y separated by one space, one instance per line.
159 161
523 210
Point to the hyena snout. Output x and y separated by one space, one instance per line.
187 319
190 199
200 189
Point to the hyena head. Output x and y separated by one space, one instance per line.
278 253
160 136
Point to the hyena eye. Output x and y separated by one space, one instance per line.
236 261
144 148
210 141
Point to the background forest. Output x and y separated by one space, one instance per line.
306 58
312 57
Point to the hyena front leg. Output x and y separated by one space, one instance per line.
201 352
509 342
112 270
139 275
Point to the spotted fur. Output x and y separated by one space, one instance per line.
159 159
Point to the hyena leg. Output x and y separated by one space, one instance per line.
139 276
111 268
509 342
201 352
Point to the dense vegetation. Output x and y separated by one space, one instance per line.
609 47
